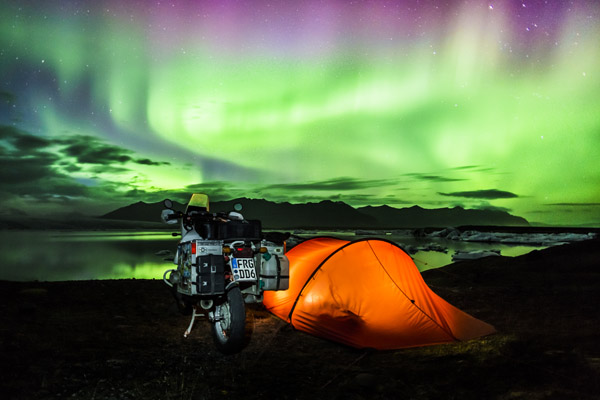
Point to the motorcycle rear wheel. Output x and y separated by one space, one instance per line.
228 329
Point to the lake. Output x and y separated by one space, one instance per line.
73 255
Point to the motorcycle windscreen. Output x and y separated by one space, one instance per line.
199 200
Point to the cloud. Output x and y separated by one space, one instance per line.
464 167
472 168
295 193
99 169
37 171
434 178
146 161
19 141
355 200
30 142
21 161
489 207
17 169
574 204
41 174
91 150
489 194
353 191
342 183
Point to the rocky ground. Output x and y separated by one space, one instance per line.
124 340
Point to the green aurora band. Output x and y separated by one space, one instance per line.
468 101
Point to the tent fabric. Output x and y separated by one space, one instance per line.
366 294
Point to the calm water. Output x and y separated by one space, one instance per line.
425 260
59 256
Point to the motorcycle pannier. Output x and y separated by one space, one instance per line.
275 273
211 269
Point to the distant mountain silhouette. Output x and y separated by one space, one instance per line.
141 211
329 214
416 217
326 214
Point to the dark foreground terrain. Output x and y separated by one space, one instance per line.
124 340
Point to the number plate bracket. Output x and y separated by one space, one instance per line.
243 269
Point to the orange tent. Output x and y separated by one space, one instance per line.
366 294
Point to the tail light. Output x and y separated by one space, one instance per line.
243 252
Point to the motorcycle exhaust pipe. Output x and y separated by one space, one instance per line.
206 304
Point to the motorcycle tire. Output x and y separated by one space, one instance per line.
228 330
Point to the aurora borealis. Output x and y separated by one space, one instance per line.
483 104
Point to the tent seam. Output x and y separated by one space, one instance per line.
290 315
311 276
326 259
405 295
317 269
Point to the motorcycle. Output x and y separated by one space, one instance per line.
223 262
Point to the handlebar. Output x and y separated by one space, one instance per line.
191 217
177 215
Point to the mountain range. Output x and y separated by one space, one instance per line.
330 214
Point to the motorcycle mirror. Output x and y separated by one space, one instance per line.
168 203
168 216
237 207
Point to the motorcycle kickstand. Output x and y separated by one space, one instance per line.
194 315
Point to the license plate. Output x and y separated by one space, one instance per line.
243 269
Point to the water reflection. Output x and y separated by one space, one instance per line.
425 260
56 256
68 255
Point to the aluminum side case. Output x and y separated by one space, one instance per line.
275 271
202 267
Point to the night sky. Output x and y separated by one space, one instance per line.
480 104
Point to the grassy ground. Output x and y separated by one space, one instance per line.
124 340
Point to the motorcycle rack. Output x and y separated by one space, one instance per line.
165 280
